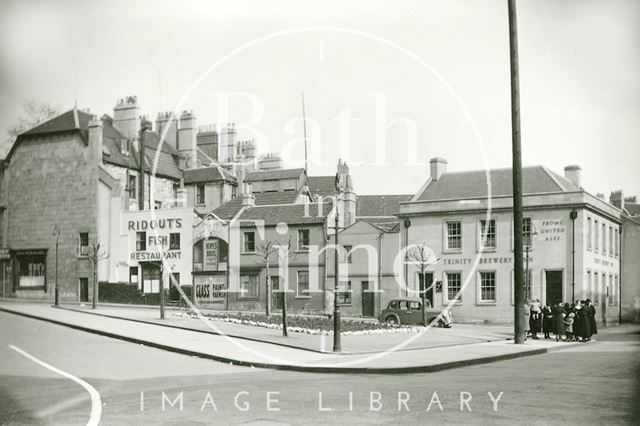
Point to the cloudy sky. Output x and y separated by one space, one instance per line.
375 75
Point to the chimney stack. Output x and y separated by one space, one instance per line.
227 145
126 117
270 161
168 120
438 167
617 199
574 174
248 199
187 138
95 140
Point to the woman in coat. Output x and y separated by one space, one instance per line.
535 320
547 321
583 319
558 321
591 313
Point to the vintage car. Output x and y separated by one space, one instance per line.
409 311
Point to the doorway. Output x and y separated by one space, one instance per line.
553 287
428 278
368 297
84 289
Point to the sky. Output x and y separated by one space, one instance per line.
387 84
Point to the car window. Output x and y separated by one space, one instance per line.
414 306
428 304
392 304
402 305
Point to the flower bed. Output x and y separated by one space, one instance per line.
303 324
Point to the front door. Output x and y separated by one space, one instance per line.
276 296
553 287
84 289
367 300
428 277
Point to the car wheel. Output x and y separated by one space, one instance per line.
391 320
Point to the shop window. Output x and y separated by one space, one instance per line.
454 285
488 233
487 287
141 241
83 249
133 275
200 194
303 239
248 287
249 242
302 289
344 294
454 235
174 241
32 269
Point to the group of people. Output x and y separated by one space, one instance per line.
568 322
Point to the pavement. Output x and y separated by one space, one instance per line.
433 350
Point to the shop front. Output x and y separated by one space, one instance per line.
210 264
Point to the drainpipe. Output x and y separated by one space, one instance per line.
376 296
573 215
620 273
407 224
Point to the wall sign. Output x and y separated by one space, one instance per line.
210 290
210 255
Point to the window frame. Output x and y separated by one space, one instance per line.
141 244
589 233
479 299
487 248
298 294
447 236
81 252
445 291
172 245
346 294
247 295
303 247
245 241
201 198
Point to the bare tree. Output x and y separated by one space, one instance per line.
276 252
95 255
33 113
423 257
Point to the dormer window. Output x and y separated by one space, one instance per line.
124 146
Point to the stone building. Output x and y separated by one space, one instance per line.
466 219
630 256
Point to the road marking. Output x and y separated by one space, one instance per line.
96 403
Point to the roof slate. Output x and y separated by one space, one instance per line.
324 186
207 174
229 209
62 123
273 175
291 214
474 184
379 205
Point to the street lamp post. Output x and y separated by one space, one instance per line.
56 294
336 304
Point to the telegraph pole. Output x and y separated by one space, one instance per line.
336 304
518 287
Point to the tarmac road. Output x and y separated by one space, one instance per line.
43 377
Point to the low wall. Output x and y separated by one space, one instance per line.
129 294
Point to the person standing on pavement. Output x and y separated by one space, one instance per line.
534 319
558 319
591 314
583 319
547 321
568 326
577 329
